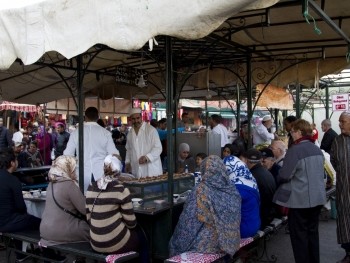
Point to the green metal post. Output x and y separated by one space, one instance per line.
81 121
327 102
297 101
249 99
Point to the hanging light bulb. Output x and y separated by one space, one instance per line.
141 83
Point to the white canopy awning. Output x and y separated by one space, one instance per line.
30 28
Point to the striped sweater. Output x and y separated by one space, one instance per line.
110 217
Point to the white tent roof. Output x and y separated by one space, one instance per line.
30 28
283 48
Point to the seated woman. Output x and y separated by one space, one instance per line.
246 185
184 158
30 157
110 212
59 226
210 220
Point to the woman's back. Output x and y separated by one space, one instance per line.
246 184
57 226
211 217
110 214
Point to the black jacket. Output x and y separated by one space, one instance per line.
5 138
327 140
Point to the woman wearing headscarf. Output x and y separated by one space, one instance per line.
110 212
210 220
184 158
59 226
44 144
247 187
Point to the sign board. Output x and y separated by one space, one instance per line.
129 75
340 102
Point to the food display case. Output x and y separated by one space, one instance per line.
33 178
151 188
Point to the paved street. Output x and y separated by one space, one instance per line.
330 251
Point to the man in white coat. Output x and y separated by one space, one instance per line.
218 128
261 133
98 143
143 148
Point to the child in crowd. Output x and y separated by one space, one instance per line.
199 158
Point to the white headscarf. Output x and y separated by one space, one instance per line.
112 168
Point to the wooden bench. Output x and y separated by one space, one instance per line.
248 246
82 249
190 257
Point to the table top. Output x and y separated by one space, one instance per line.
35 199
40 168
152 207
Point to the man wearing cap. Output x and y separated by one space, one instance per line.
98 144
266 184
17 148
143 148
269 162
261 134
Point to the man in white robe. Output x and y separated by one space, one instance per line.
260 132
143 148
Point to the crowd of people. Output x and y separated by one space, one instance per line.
239 193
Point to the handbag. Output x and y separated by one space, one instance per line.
79 215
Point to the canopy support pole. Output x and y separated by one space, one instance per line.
81 122
238 110
297 101
249 99
327 102
170 106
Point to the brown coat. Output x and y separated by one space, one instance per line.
57 226
340 159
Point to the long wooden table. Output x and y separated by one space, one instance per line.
156 217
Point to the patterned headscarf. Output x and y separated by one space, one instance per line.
219 203
238 172
112 168
63 167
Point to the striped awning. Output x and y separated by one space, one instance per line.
6 105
